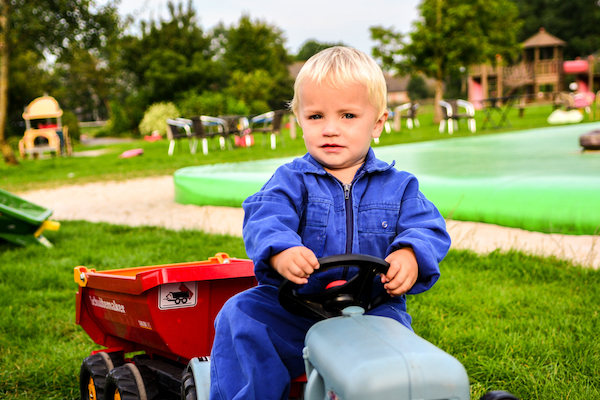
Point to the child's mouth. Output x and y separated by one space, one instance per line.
331 146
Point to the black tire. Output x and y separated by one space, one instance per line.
93 372
127 382
188 386
498 395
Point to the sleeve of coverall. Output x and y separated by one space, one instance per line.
271 219
421 227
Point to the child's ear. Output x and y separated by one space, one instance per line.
379 124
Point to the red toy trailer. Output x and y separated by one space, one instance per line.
157 325
163 313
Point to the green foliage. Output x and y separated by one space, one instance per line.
253 88
156 116
255 45
120 121
418 89
170 57
452 34
70 119
39 28
84 81
449 36
27 81
389 48
211 103
580 30
311 47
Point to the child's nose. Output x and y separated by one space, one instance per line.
330 128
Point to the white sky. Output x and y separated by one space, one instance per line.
346 21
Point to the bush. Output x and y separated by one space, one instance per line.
121 120
156 116
211 103
69 119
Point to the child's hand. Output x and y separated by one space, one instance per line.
295 264
403 272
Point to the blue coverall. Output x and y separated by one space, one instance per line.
258 344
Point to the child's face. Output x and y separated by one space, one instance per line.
338 125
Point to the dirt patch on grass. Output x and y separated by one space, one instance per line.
150 201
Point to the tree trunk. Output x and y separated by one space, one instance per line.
439 76
7 153
439 93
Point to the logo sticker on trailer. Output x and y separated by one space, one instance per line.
177 295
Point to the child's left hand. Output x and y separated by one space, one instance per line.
403 272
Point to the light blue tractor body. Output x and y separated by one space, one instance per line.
363 357
358 356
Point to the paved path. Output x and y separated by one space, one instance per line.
150 201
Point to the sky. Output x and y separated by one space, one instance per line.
345 21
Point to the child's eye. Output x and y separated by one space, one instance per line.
315 116
349 115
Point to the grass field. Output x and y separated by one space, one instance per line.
32 174
518 323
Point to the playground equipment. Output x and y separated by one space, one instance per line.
590 140
167 312
23 222
44 130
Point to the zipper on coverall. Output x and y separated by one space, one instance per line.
349 222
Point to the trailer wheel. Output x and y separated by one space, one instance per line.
128 382
92 374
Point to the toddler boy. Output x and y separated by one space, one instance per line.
338 198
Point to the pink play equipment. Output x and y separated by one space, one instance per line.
44 130
583 97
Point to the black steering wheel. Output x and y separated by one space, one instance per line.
357 291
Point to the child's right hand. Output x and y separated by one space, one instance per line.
295 264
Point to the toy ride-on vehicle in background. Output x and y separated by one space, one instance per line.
157 348
44 129
23 222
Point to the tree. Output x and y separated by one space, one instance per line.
170 59
41 28
256 45
451 34
311 47
574 21
417 88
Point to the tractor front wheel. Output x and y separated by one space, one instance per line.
498 395
188 386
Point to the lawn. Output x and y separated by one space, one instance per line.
519 323
51 172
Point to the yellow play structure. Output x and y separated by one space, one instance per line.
44 131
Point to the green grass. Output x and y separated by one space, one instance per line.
52 172
518 323
41 347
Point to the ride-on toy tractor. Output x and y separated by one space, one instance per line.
156 323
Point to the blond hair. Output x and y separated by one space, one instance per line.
340 65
